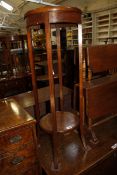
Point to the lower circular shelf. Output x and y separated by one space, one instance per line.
66 121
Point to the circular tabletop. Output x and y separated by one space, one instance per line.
53 15
46 9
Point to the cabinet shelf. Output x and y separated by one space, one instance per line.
88 38
87 28
114 24
114 17
74 29
105 25
100 32
102 20
66 121
87 22
102 25
113 30
102 37
73 32
87 33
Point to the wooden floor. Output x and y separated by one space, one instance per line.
72 157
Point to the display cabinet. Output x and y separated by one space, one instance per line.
87 22
102 27
19 54
14 65
113 26
105 27
69 38
14 56
87 26
72 37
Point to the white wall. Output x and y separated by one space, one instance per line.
90 5
74 3
101 4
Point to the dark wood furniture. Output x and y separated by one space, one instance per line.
15 74
15 85
100 92
13 55
18 143
57 18
26 100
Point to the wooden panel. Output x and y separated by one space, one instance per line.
101 100
18 161
27 99
36 19
56 15
64 17
15 138
103 57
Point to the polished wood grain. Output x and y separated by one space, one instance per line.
56 15
27 99
100 81
66 121
11 114
102 58
18 142
15 138
74 160
45 77
51 9
101 98
20 160
100 92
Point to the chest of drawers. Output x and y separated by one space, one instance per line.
18 145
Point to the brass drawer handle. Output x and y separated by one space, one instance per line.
15 139
17 160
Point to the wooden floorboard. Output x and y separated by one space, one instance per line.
72 157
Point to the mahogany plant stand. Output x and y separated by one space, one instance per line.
56 121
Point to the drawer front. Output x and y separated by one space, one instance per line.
14 138
18 162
